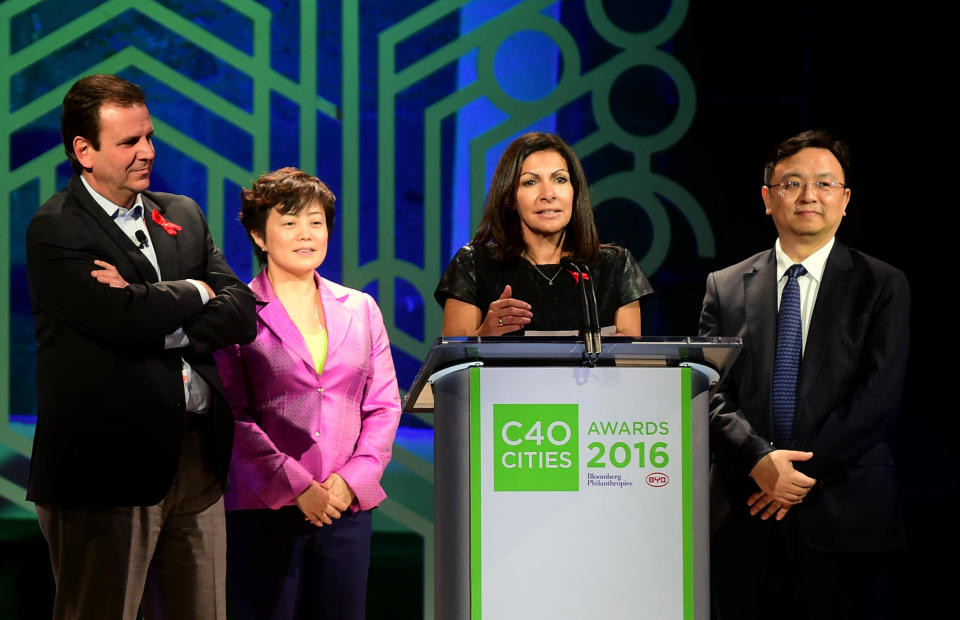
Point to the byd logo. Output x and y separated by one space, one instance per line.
658 479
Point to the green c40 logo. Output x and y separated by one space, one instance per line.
536 447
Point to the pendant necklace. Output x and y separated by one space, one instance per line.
543 275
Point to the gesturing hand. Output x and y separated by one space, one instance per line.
108 274
319 506
505 315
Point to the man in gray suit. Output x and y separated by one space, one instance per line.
806 514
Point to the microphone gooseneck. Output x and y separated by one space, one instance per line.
585 330
594 318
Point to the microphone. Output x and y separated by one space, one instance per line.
568 263
592 306
142 238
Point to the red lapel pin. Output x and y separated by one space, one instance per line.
171 228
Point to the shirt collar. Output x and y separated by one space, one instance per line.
814 264
115 211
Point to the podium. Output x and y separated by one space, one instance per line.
567 489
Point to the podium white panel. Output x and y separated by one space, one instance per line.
566 491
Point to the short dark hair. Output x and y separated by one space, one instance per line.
812 138
501 223
80 115
288 190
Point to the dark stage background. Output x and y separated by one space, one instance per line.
404 106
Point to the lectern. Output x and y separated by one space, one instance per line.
569 486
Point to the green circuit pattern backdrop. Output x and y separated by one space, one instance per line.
401 106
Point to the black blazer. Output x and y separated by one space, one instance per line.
850 383
110 402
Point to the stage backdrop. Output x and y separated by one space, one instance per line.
401 107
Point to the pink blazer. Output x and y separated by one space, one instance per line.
293 426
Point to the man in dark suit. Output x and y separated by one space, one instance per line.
133 436
799 426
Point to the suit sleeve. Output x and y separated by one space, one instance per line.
275 477
59 262
230 316
379 417
867 411
730 433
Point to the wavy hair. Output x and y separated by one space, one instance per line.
288 190
501 222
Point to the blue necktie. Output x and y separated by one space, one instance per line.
786 361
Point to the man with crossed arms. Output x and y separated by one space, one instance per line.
133 437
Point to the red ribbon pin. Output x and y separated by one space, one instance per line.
171 228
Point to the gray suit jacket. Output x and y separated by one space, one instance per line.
850 383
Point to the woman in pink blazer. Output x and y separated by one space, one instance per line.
316 408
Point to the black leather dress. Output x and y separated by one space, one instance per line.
477 277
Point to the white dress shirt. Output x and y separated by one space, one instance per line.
809 282
196 391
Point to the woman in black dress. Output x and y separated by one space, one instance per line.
509 279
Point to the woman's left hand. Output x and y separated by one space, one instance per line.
339 488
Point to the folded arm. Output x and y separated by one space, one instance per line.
59 267
230 316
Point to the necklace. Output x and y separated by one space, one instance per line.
543 275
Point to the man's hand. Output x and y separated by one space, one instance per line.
764 505
339 488
319 506
779 482
108 274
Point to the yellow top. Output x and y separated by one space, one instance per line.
317 344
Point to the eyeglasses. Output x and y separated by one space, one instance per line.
793 188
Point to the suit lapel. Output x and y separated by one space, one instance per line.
272 313
138 262
760 308
826 314
275 317
164 244
337 318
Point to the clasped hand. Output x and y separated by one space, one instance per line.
322 502
781 485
